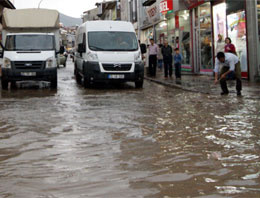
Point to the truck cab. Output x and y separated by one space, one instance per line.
30 42
29 56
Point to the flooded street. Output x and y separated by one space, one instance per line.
155 142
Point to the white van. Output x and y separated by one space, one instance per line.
108 51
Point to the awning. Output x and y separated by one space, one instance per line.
193 3
148 2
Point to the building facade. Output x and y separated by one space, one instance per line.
194 25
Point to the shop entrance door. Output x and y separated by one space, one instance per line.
203 41
197 57
177 39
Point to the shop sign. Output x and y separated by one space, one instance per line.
153 13
165 6
193 3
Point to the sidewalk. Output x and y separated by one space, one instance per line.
205 84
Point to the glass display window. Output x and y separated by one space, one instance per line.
161 32
185 36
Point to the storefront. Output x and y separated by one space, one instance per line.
179 34
202 38
213 18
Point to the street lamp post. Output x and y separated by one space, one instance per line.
40 3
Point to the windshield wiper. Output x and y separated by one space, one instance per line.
96 48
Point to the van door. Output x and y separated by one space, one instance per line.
79 54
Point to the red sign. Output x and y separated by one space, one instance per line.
165 6
177 22
193 3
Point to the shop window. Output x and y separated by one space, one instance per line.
236 23
161 32
184 36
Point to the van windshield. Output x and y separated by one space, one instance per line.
112 41
29 42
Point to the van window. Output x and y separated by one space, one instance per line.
112 41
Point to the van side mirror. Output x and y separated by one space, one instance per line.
1 54
81 48
62 49
143 48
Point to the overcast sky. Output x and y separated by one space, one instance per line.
74 8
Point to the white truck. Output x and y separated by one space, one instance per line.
30 42
108 51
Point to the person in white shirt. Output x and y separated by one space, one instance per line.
220 46
230 64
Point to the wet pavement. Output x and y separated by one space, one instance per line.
126 142
205 84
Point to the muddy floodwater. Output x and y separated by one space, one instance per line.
121 142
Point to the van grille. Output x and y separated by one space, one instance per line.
30 65
117 67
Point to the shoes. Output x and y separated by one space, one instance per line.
239 93
224 93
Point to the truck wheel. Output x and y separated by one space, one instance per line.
54 83
4 84
139 84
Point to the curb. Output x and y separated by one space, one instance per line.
174 85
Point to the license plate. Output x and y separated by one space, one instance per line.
28 73
116 76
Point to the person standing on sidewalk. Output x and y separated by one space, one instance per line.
229 47
220 46
160 57
153 52
177 63
230 64
167 59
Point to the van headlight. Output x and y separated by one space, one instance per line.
6 63
50 62
138 57
91 56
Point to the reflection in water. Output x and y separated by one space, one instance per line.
122 142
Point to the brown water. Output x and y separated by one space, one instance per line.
122 142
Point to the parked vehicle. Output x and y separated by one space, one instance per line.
108 51
31 45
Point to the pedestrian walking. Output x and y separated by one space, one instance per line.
230 64
153 53
177 63
167 59
229 47
160 58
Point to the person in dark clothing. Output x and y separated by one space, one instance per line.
167 59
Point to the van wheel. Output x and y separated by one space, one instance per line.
4 84
64 64
54 83
13 85
86 83
78 77
139 84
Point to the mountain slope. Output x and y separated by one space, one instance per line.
69 21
